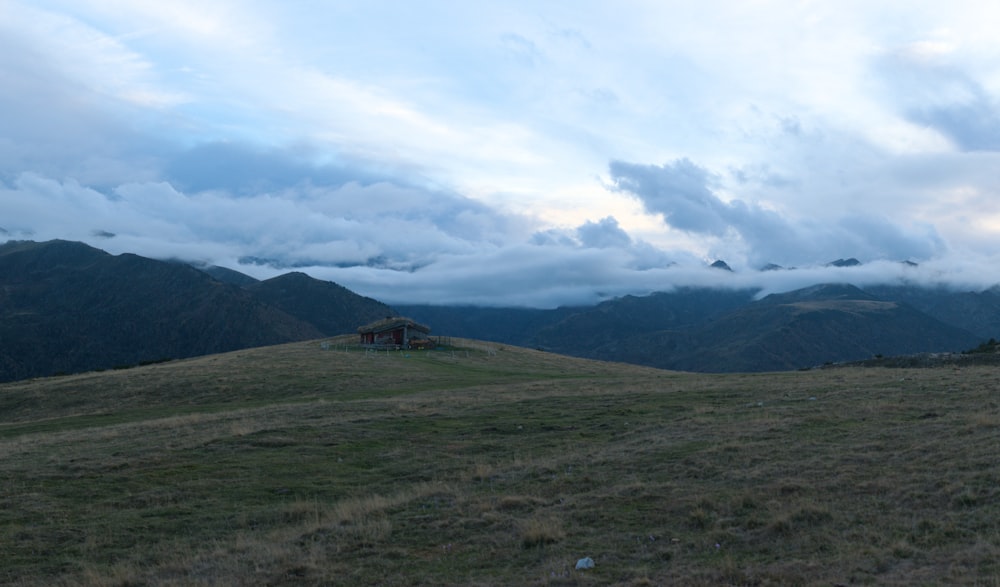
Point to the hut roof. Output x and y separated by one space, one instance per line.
393 323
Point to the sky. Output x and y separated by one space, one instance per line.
515 153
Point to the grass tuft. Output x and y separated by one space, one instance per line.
539 531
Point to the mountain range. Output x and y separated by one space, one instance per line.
68 307
717 330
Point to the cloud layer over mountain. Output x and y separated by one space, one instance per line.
510 153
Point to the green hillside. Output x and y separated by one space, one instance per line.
487 465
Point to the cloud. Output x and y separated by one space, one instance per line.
400 226
546 276
931 92
682 192
78 104
243 168
409 255
974 126
450 154
531 275
521 49
603 234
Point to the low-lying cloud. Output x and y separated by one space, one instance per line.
402 244
683 194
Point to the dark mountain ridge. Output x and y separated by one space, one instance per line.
716 330
803 328
330 307
67 307
227 275
680 308
975 311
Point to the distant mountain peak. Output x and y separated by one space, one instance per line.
329 306
720 264
293 277
852 262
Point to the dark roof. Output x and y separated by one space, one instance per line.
392 324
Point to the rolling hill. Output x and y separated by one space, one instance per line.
496 465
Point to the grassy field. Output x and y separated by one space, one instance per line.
497 466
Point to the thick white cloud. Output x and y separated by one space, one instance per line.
509 152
